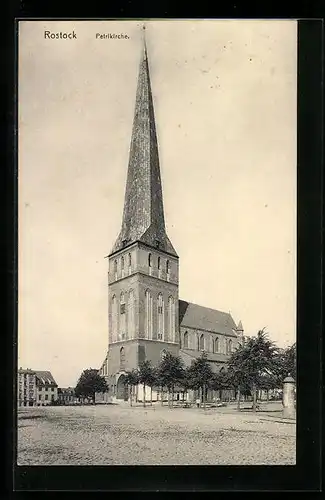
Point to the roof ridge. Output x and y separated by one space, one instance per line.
205 307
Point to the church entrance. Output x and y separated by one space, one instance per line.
121 388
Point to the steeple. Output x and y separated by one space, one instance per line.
143 214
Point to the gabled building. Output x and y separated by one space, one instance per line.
145 315
46 388
66 396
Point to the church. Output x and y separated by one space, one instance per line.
146 317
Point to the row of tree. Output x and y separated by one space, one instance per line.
257 364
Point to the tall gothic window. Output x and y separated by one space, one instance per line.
201 343
171 319
148 315
216 345
114 319
131 317
167 270
158 262
122 267
160 310
229 346
122 329
130 263
150 263
122 358
115 269
186 340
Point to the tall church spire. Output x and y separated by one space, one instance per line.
143 214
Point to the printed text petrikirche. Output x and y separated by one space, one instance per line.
111 36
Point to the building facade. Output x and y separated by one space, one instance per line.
145 314
46 388
26 387
66 396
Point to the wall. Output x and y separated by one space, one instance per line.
43 391
26 388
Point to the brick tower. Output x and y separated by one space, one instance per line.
143 264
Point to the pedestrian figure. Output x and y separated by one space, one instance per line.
198 402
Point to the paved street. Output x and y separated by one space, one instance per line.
155 435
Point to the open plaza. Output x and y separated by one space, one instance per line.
155 435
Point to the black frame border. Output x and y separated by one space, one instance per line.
306 475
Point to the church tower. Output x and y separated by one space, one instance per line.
143 264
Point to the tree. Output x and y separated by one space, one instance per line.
146 377
253 359
286 360
89 383
201 375
185 381
220 381
131 379
170 373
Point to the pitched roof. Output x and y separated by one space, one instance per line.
45 377
204 318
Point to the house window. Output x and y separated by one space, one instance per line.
39 397
185 340
160 333
52 389
201 343
46 397
46 388
122 358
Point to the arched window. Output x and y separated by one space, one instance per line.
122 267
114 319
158 262
122 329
149 260
186 340
115 269
148 315
122 359
160 311
216 345
171 319
167 268
229 346
201 343
131 319
130 263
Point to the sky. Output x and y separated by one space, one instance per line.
225 105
